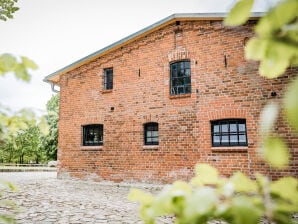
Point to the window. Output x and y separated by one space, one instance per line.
229 132
151 133
180 78
108 79
93 135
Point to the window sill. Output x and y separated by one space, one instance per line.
180 96
106 91
92 148
150 147
230 149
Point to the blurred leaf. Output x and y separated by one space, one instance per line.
239 14
180 188
276 59
244 211
138 195
21 73
202 203
243 184
291 103
43 126
287 188
268 117
7 63
28 63
285 12
205 174
276 152
256 49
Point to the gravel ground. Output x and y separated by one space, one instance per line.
44 199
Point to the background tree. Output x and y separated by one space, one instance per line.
50 141
239 199
7 9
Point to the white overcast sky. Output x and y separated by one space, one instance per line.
55 33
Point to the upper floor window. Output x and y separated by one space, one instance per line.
229 132
151 133
180 78
108 79
93 135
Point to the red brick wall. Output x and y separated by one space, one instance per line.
141 94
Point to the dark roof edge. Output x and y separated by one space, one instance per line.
206 16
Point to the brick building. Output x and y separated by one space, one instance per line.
152 105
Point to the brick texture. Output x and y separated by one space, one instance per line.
224 85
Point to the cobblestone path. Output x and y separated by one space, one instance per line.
44 199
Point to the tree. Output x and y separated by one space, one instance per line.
22 137
239 199
7 9
50 141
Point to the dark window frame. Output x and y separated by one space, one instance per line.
108 78
180 77
89 134
229 133
151 133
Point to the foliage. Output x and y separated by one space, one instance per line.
276 42
50 141
239 199
7 9
22 134
7 204
19 66
208 197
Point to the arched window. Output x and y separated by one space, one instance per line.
151 133
180 80
229 132
93 135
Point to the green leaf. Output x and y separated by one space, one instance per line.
244 211
291 103
239 14
256 49
21 73
276 59
268 117
283 13
205 174
243 184
202 203
276 152
7 63
138 195
28 63
287 188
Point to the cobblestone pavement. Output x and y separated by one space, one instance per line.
44 199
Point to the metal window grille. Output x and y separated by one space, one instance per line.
180 78
229 132
108 79
151 133
93 135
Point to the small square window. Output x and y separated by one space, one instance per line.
93 135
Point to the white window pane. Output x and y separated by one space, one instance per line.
242 138
225 139
241 127
224 128
216 139
233 128
233 138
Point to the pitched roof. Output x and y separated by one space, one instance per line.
54 77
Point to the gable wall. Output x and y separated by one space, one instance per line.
141 94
